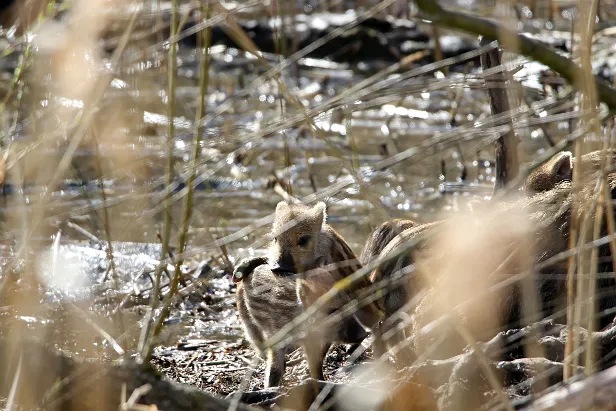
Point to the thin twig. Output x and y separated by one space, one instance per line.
529 47
145 347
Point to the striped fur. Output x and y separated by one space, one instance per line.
269 297
303 242
268 301
340 261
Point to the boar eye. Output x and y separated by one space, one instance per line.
303 241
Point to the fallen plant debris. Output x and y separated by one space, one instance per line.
221 366
442 384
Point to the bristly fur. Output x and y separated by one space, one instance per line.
382 236
548 213
269 297
559 169
398 289
548 184
325 249
548 175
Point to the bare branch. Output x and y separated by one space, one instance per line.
538 51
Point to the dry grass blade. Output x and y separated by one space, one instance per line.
10 401
146 342
80 132
106 336
196 152
131 403
107 226
155 166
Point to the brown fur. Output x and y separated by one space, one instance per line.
266 302
397 288
549 214
545 177
548 207
381 236
269 296
324 249
560 168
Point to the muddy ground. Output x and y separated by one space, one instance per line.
224 366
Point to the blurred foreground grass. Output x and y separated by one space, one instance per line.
382 120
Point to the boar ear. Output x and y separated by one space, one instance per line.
563 168
320 212
281 206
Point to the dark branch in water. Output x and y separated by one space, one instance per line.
506 156
431 10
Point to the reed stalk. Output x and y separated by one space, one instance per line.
602 208
204 78
280 46
592 282
438 52
583 82
107 228
24 60
145 346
